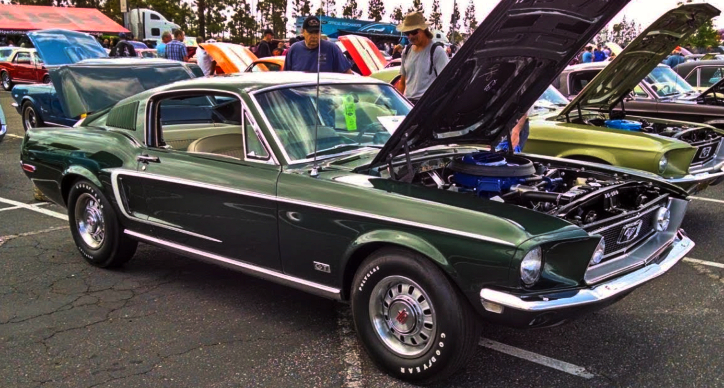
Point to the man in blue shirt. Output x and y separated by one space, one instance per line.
587 55
302 56
161 47
675 58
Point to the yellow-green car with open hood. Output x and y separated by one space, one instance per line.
594 126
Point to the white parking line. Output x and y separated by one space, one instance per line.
537 358
13 136
702 262
708 199
35 208
18 207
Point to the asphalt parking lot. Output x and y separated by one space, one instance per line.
168 321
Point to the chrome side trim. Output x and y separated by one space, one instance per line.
119 200
351 81
600 293
55 124
304 285
116 173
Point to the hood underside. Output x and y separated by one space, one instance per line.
641 56
502 69
63 47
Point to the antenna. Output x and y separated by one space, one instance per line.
315 167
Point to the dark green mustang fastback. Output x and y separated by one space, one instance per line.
342 190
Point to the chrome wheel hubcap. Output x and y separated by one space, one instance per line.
89 221
30 120
6 80
403 316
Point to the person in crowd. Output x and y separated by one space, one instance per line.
690 49
304 55
176 49
291 42
612 56
264 49
279 50
518 135
106 43
709 49
10 43
598 54
422 61
607 51
204 60
123 48
397 52
587 56
675 58
161 47
448 51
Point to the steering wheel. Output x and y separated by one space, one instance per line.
664 88
374 127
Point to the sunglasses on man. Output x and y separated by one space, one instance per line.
412 33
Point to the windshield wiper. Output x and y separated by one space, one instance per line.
340 146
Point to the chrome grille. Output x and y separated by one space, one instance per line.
706 151
619 235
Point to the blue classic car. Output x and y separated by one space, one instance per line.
104 80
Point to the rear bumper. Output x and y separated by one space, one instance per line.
554 308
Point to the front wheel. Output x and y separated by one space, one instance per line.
95 227
46 79
7 83
412 320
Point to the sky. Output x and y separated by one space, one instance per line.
644 12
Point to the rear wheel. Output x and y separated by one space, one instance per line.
7 83
46 79
412 320
95 227
30 117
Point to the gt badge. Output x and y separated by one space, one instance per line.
630 232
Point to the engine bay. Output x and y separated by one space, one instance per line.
584 197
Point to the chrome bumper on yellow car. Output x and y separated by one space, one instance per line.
699 180
493 300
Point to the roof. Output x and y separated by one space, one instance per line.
691 65
251 82
34 17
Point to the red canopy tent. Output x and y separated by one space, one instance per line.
23 18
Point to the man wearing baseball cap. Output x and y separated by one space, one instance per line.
302 56
422 59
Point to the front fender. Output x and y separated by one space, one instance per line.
595 153
394 237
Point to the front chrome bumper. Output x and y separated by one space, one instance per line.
700 179
599 294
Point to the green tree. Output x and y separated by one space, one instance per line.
351 10
454 34
436 15
273 15
397 15
242 25
470 22
704 37
377 10
416 7
301 8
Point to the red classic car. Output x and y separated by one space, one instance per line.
22 66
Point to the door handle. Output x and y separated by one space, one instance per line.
148 159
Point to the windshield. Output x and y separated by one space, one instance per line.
5 54
350 117
667 83
551 99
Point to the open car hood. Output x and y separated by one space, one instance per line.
714 95
231 58
505 65
63 47
90 86
641 56
364 53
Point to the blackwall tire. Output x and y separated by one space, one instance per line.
30 117
95 227
414 323
46 79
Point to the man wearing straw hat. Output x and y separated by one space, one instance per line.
422 60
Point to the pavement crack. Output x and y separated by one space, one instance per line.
4 239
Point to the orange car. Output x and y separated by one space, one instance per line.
266 64
230 58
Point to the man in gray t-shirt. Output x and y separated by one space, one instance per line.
423 61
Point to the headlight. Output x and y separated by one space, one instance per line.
531 266
598 253
663 217
663 163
